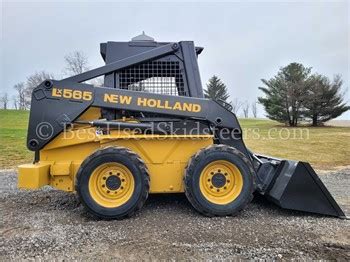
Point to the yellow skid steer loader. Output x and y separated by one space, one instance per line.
150 130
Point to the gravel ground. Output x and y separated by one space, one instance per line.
47 224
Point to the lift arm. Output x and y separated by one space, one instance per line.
57 104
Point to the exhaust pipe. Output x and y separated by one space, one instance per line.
295 185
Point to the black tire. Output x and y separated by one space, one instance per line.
193 172
139 173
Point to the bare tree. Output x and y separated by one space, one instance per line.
21 96
15 102
32 82
236 105
245 108
76 63
254 109
4 100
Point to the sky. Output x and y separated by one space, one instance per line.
243 41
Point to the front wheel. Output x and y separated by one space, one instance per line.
219 181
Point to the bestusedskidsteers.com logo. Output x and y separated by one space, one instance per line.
44 130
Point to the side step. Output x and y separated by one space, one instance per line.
295 185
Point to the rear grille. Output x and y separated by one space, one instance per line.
159 77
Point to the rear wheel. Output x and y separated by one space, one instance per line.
113 183
219 181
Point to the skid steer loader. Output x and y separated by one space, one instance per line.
150 130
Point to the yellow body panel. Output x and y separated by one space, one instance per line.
166 157
91 113
33 176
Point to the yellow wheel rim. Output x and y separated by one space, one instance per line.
111 185
221 182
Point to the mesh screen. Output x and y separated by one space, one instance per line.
160 77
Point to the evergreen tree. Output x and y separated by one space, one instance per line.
284 94
325 100
218 91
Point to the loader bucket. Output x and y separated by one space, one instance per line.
295 185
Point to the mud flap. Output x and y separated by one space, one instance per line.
295 185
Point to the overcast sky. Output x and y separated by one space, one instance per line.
243 42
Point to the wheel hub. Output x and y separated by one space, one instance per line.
218 180
221 182
113 182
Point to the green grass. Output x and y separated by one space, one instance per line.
13 132
323 147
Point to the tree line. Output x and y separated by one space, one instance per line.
295 95
74 63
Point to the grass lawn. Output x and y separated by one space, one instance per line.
323 147
13 133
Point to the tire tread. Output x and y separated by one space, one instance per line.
138 162
189 169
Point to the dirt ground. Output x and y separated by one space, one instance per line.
47 224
